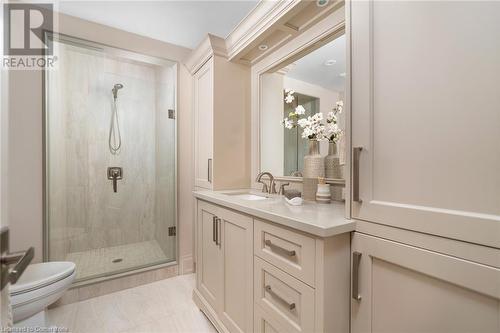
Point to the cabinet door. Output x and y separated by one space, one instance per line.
203 125
425 112
237 247
404 289
209 256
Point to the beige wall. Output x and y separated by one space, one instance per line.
25 138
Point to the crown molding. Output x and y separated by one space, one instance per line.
257 22
286 69
271 22
210 46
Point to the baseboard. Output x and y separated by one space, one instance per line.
186 264
80 293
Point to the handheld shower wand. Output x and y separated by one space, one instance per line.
115 89
115 138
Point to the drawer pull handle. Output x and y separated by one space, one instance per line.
290 253
209 170
355 174
291 306
218 228
356 258
214 228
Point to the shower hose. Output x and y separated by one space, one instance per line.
115 138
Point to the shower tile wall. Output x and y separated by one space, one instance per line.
84 212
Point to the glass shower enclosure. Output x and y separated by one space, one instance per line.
110 159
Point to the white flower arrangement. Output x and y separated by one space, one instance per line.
313 127
333 132
289 96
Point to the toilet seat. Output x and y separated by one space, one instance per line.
41 285
42 274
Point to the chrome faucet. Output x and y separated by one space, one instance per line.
271 189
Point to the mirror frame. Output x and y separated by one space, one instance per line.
328 29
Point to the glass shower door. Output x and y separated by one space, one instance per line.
110 159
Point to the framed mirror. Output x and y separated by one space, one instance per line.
309 86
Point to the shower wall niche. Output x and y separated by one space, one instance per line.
102 231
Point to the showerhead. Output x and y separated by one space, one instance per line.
115 89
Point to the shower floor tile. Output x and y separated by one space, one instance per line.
106 260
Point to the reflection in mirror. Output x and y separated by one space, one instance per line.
313 84
293 145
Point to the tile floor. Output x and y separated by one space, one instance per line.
96 262
162 306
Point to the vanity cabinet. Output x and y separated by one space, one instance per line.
220 117
402 288
210 264
224 275
257 276
430 155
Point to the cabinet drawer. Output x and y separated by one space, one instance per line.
285 299
292 252
264 323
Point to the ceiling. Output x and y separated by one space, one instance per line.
312 68
183 23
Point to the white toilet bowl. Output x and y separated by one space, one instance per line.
40 285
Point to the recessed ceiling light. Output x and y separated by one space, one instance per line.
342 74
263 47
322 3
330 62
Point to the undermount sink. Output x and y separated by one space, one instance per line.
247 196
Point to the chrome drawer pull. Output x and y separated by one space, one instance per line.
214 228
291 306
356 258
218 228
290 253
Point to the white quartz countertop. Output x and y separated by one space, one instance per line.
323 220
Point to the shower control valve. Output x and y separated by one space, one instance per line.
115 174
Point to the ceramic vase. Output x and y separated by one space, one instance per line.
333 170
323 195
314 167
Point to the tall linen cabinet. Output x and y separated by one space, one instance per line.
221 116
425 159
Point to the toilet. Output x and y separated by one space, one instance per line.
40 285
